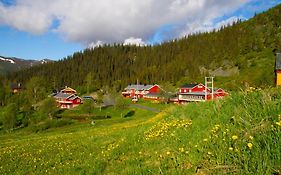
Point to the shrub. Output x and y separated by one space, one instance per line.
54 123
10 116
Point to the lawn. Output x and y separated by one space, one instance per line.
237 135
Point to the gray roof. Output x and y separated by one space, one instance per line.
139 87
278 61
73 97
15 86
152 94
193 93
189 85
62 95
196 93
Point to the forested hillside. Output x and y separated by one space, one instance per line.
241 54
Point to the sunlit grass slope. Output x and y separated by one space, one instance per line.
237 135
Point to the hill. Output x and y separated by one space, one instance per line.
12 64
241 54
237 135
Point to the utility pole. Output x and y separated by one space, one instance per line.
137 88
209 81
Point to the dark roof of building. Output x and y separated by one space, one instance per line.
152 94
63 95
15 86
73 97
189 85
278 61
139 87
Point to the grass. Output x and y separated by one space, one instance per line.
237 135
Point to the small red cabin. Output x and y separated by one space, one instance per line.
67 98
66 101
15 87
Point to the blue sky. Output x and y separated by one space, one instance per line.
31 31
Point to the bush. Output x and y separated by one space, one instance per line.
10 116
48 108
130 114
55 123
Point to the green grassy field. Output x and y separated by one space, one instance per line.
237 135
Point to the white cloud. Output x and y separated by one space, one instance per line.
25 18
96 44
210 25
134 41
112 21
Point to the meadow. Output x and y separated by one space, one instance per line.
236 135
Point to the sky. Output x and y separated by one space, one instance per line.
55 29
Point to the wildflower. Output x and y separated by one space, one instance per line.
168 152
209 153
181 150
250 145
205 140
230 149
251 137
234 137
140 152
278 123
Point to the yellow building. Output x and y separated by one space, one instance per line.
278 69
68 90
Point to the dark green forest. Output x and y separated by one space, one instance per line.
247 47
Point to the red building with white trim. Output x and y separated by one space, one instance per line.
198 92
141 90
67 98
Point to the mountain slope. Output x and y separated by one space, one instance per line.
245 52
12 64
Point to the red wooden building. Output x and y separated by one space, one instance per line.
141 91
15 87
198 92
67 98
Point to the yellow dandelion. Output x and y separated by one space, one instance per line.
234 137
278 123
230 149
181 149
168 152
250 145
140 152
205 140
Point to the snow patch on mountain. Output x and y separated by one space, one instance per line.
44 61
8 60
